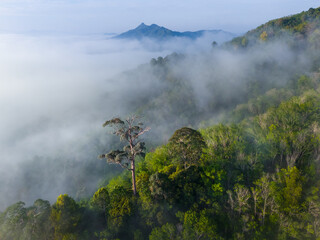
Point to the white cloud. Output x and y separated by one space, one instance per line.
54 99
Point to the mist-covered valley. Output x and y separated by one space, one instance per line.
57 91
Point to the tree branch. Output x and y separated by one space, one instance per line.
123 166
141 132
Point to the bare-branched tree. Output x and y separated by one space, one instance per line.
129 131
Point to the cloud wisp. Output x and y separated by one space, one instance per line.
56 91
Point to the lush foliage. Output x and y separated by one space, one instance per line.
256 176
297 30
255 179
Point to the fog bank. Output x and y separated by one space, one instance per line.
56 91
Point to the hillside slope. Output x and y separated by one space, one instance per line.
253 175
298 30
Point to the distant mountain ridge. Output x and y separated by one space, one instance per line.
161 33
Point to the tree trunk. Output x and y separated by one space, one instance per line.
133 171
264 210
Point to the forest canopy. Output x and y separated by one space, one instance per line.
254 174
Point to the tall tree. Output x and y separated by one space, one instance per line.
186 144
65 217
128 131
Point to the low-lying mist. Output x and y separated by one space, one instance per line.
51 107
57 91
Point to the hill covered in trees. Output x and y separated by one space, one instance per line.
299 31
250 171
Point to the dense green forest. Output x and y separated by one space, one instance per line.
253 175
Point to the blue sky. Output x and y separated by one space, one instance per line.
98 16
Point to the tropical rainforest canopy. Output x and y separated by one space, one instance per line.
255 174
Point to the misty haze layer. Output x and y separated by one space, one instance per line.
57 91
50 101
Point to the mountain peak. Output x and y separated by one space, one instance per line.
160 33
142 25
154 25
